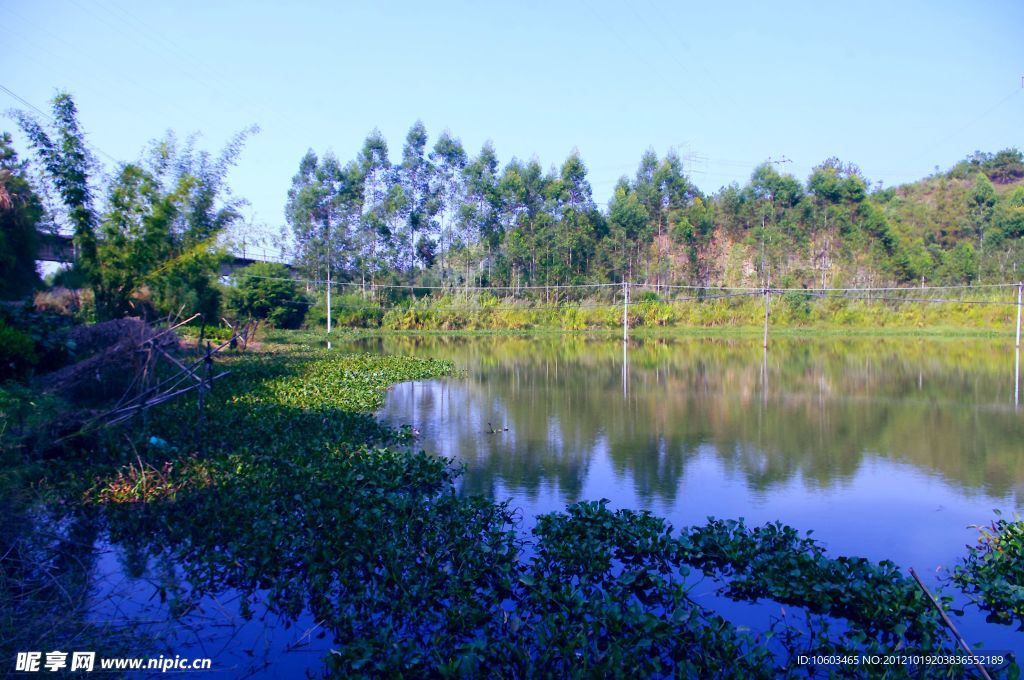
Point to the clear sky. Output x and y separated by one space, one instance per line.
895 87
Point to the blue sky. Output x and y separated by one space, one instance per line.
895 87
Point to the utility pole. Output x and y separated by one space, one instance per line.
625 312
1016 365
328 244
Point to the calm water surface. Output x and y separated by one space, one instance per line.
885 448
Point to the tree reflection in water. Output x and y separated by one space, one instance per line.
807 424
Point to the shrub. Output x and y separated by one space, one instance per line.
352 310
46 332
266 291
62 301
17 353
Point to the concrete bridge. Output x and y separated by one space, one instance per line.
61 248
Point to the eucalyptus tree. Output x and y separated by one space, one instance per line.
836 191
648 193
981 202
578 225
628 226
515 218
324 211
375 232
522 189
449 159
421 205
480 213
675 193
774 194
302 213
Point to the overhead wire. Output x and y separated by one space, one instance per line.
983 114
50 118
714 292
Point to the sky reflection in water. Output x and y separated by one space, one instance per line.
885 448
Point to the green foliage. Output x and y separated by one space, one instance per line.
154 247
1009 215
267 291
347 310
20 215
17 353
188 285
960 264
69 166
1002 167
471 223
993 571
884 609
136 238
45 330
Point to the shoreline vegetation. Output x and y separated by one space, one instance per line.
301 501
983 312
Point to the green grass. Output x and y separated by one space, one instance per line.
986 312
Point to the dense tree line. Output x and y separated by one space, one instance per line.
150 236
442 216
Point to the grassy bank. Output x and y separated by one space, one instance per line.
978 311
302 502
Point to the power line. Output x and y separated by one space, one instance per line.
50 118
974 120
713 291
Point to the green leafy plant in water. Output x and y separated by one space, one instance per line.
881 609
993 572
309 509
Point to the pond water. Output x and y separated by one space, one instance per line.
885 448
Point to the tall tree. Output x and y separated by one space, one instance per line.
375 231
303 214
204 209
69 165
480 216
577 226
20 213
774 194
449 159
675 193
628 226
136 236
324 212
415 175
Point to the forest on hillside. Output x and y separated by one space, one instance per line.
442 217
151 234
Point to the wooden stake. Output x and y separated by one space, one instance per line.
949 624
